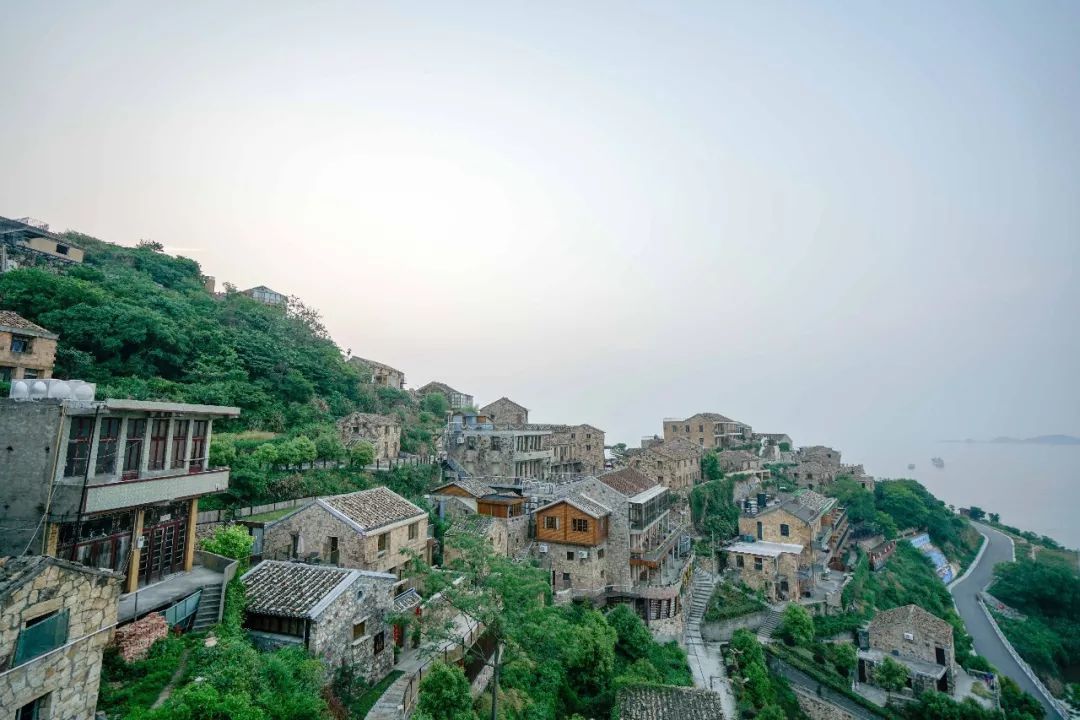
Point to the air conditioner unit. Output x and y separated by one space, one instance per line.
583 554
460 439
542 548
909 636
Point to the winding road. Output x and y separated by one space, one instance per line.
999 548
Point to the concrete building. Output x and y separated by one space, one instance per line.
807 519
772 568
916 638
506 413
56 617
27 351
457 399
708 430
28 243
112 484
473 442
266 296
339 615
576 449
673 463
374 529
382 431
381 374
616 540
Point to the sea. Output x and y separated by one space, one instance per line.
1032 487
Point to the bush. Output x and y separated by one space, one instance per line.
231 541
797 627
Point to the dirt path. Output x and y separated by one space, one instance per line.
173 681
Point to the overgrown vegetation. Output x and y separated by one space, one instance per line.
128 687
759 692
731 601
712 503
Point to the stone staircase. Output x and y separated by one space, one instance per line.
701 591
209 608
772 621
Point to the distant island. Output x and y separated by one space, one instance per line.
1038 440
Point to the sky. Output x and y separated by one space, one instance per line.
855 223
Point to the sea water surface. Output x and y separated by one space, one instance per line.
1033 487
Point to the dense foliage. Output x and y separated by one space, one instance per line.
712 503
759 692
731 601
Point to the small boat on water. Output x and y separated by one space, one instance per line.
911 466
938 462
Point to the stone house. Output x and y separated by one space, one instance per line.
28 243
506 413
56 617
576 449
339 615
618 540
481 450
916 638
266 296
816 467
478 497
374 529
457 399
381 374
770 567
668 702
806 518
742 465
27 351
382 431
490 529
106 473
673 463
708 430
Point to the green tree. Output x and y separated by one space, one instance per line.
710 466
618 452
797 626
231 541
361 454
771 712
891 674
444 694
634 639
222 452
328 446
267 455
995 518
976 513
436 404
844 657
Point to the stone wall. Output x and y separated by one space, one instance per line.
41 357
370 599
384 433
69 675
722 630
517 534
577 449
818 709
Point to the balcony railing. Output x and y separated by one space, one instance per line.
659 549
180 483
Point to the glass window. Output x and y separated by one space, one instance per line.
198 443
179 443
359 630
551 522
785 530
159 433
569 554
758 563
78 449
414 531
384 542
579 525
380 642
136 433
739 561
108 442
20 344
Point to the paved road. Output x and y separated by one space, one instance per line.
999 549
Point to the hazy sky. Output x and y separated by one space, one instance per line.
845 222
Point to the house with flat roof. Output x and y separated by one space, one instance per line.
339 615
373 529
771 567
56 617
27 242
486 449
27 350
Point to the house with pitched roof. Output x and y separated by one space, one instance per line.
673 463
708 430
457 399
476 496
339 615
483 527
374 529
382 431
381 374
504 412
27 350
576 449
916 638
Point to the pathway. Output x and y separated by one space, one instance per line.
998 548
706 663
173 681
800 679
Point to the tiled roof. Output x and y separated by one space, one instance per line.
436 386
912 616
371 363
627 481
501 401
470 485
374 508
471 524
583 503
289 589
668 702
678 449
15 321
710 416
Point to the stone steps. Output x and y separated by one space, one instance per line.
209 608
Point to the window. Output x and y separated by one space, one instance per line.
5 373
136 433
384 543
274 624
758 564
414 531
701 428
600 555
687 428
20 343
785 529
198 444
334 553
179 443
108 441
36 709
579 525
588 448
740 561
41 635
551 522
159 432
566 579
470 442
359 630
61 249
380 642
783 586
30 374
588 436
78 449
573 436
569 554
496 442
